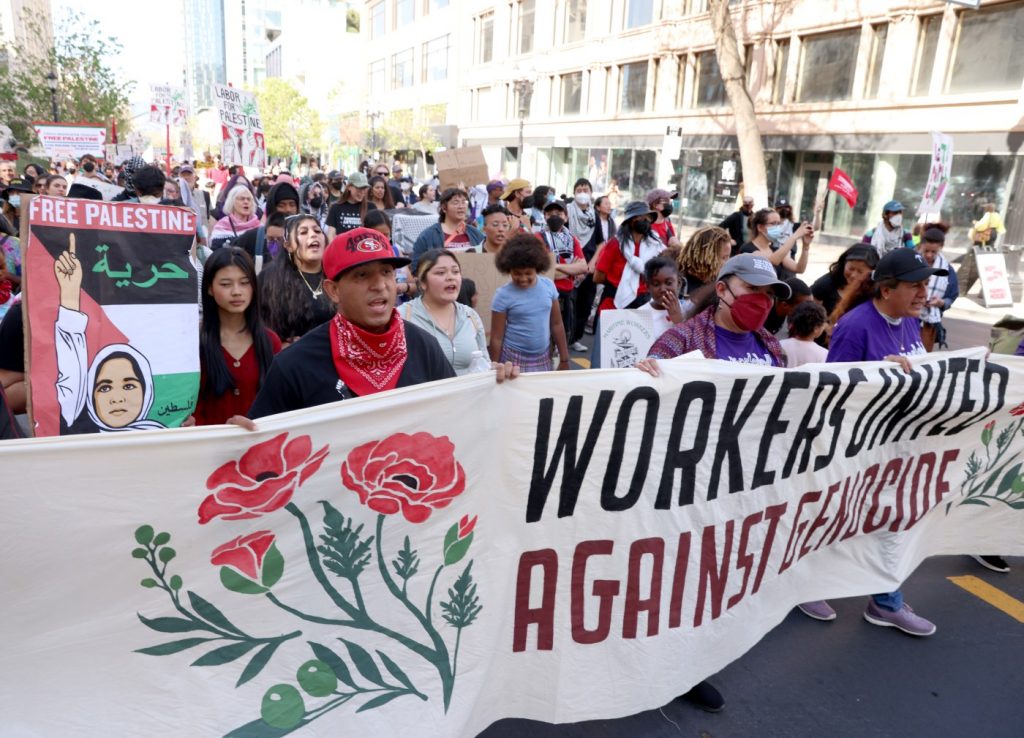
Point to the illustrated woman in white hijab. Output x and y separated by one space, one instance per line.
115 393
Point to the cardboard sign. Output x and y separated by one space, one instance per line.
112 316
118 154
464 167
61 140
480 268
626 337
995 282
242 140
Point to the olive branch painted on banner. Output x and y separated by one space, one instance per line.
411 474
992 477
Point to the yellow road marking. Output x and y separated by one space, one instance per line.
992 595
585 363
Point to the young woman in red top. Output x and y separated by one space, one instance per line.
235 348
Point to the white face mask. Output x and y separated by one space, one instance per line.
582 198
896 220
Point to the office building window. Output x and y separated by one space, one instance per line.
639 13
377 20
633 81
434 115
877 53
987 53
924 59
486 48
527 19
377 77
710 87
779 75
435 59
692 7
405 12
748 64
572 91
575 20
437 4
829 61
401 69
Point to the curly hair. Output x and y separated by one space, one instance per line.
699 257
523 251
806 318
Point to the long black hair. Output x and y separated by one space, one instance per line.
857 252
217 379
286 307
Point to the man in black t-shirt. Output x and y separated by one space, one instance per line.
736 224
366 348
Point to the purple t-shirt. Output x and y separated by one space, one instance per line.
743 348
863 334
1020 348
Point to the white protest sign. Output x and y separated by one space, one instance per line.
107 189
242 140
63 139
381 567
626 337
995 281
168 105
938 174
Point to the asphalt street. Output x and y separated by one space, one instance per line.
849 679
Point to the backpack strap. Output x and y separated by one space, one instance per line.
261 240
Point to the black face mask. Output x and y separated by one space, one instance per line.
89 167
527 202
555 223
667 210
640 226
316 202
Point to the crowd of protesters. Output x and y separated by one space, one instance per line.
329 286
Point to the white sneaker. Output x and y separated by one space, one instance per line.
578 347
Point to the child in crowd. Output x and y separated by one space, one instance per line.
807 322
524 314
663 283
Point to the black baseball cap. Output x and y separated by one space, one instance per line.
906 265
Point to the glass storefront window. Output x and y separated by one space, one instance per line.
840 217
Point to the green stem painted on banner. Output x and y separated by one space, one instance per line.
306 616
430 592
440 654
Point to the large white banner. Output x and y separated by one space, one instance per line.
242 140
562 547
60 140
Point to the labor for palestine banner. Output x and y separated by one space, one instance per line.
113 317
576 547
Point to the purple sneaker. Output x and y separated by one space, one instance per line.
905 619
819 610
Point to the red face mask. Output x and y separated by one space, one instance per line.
750 311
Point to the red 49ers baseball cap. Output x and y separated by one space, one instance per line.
359 246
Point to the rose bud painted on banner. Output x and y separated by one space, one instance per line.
986 435
457 540
1019 410
262 480
249 564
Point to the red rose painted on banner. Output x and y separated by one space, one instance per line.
414 474
262 480
1019 410
250 564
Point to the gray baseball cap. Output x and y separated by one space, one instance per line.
756 271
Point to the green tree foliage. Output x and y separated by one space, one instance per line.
401 132
291 126
88 90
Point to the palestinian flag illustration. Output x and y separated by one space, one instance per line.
111 300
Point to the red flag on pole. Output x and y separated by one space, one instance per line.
843 185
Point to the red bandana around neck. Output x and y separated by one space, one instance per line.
368 362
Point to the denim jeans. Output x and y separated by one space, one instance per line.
891 601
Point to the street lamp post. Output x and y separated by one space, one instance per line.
374 116
524 91
51 82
